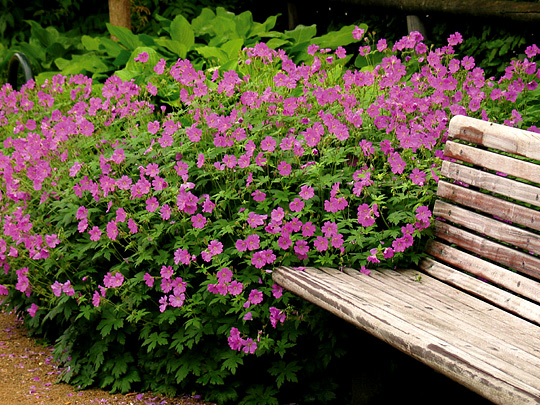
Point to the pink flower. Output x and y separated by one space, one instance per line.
306 192
165 212
258 195
224 275
284 242
215 247
235 288
358 33
32 310
182 256
152 204
296 205
151 89
423 213
95 233
284 168
148 279
160 66
113 281
198 221
82 225
258 260
142 57
255 297
321 244
82 212
268 144
252 242
112 230
96 299
75 169
301 247
132 225
153 127
455 39
255 220
418 177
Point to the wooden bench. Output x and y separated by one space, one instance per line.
471 310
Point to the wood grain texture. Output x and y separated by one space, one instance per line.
418 330
493 161
487 271
505 210
496 136
480 246
497 184
494 228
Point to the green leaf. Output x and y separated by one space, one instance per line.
202 24
243 22
125 36
231 361
211 53
334 39
302 33
181 31
45 37
155 339
178 48
233 47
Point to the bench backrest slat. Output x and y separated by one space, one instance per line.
491 227
485 270
505 210
512 167
496 136
488 224
501 254
491 182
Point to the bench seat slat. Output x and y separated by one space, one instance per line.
505 210
430 294
390 321
429 321
491 182
493 161
479 288
493 228
520 261
526 338
486 270
503 138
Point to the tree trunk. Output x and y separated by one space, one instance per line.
119 13
414 23
519 11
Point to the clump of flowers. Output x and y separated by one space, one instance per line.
162 228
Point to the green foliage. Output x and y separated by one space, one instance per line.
213 39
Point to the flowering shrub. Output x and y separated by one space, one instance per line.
144 240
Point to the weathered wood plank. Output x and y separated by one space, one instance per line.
484 269
490 293
493 161
429 296
493 228
491 182
506 210
496 136
520 261
363 308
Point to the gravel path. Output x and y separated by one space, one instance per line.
28 375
